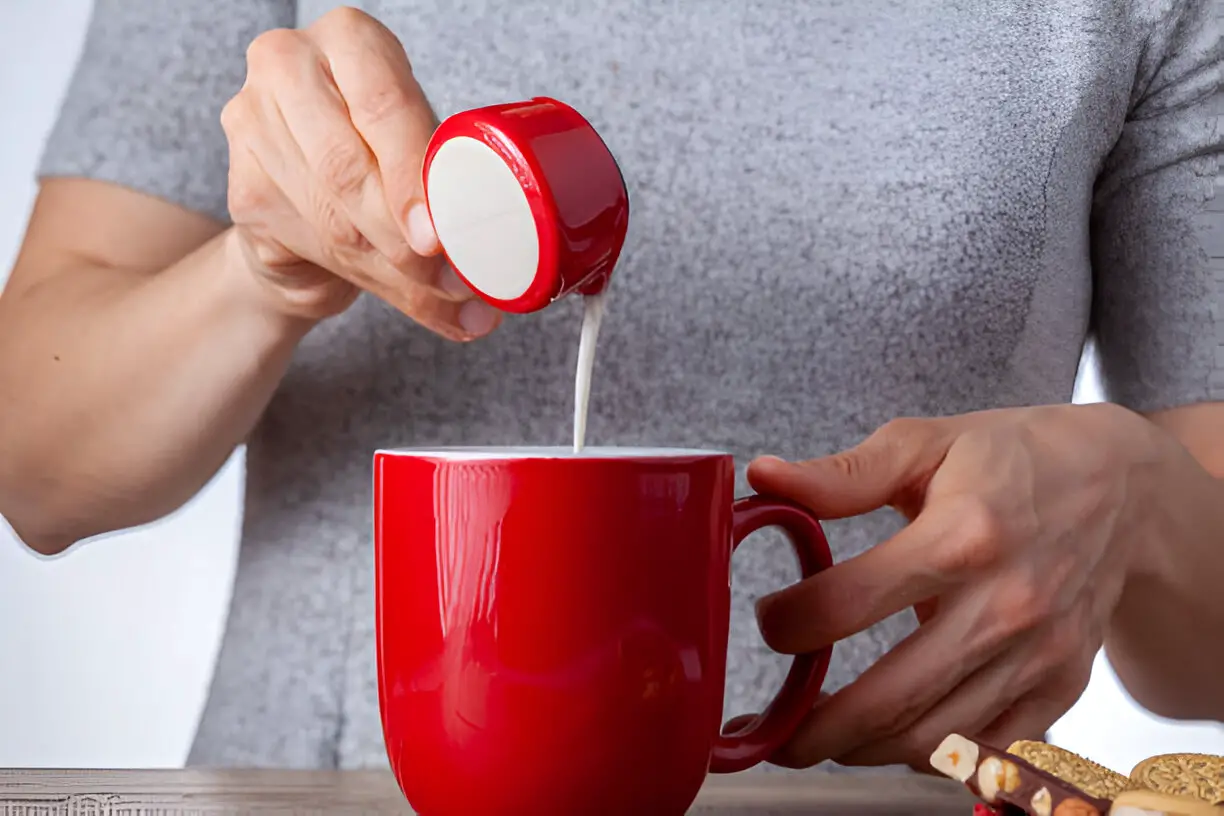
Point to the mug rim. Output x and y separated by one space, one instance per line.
502 453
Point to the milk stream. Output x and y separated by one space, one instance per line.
592 318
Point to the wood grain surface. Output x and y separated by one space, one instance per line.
178 793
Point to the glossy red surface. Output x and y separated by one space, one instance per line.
552 633
573 184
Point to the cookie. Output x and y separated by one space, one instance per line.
999 778
1198 776
1084 774
1151 803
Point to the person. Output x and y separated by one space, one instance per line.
868 239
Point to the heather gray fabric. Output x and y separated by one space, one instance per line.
842 212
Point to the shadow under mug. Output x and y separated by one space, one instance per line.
552 628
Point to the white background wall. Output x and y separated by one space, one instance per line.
105 654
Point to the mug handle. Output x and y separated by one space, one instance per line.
755 742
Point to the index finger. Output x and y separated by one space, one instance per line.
388 109
898 690
853 595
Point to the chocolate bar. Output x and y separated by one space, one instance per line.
999 778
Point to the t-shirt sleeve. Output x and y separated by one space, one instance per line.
1158 302
142 109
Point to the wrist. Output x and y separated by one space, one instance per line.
1181 518
253 295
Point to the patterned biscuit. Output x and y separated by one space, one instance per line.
1151 803
1084 774
1199 776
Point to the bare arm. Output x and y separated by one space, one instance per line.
135 352
1166 640
1154 325
139 342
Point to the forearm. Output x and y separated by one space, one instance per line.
1166 640
124 392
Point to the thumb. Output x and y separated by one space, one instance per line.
890 467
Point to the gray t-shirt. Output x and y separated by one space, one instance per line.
843 212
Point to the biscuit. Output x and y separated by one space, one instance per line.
1151 803
1198 776
1088 776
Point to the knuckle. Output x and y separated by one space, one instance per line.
246 196
273 47
901 440
979 543
345 19
1020 604
1063 644
401 255
431 313
339 234
377 104
343 167
234 115
424 307
899 431
852 465
981 525
896 720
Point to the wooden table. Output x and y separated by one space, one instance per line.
178 793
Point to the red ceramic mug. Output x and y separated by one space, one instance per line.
552 627
527 202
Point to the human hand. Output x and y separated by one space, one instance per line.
1024 527
326 143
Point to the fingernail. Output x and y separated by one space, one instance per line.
421 235
451 284
477 317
